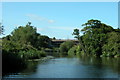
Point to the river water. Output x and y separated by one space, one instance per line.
65 67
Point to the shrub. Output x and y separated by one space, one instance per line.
65 46
32 54
72 51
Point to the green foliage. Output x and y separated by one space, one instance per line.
32 54
54 38
72 51
99 39
10 46
95 36
79 50
76 33
43 42
65 46
24 35
24 43
76 50
27 37
112 47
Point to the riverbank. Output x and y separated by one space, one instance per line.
42 59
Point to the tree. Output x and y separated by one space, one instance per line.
43 42
94 36
54 38
21 45
77 35
25 35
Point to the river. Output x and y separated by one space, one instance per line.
65 67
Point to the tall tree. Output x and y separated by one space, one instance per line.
94 36
76 33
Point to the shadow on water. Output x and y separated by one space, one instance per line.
26 69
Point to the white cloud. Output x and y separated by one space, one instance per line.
39 18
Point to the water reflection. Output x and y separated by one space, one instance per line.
65 67
102 66
31 67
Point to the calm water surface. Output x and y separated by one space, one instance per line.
85 67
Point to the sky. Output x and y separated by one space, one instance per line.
57 19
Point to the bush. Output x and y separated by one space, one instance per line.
76 50
32 54
65 46
42 53
72 51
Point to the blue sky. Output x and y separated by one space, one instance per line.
57 19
